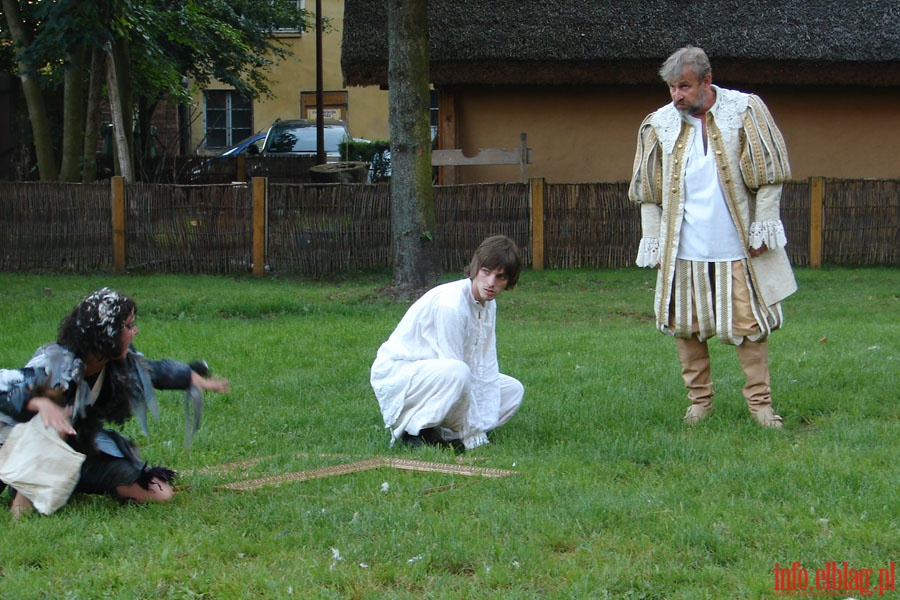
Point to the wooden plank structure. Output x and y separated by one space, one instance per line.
365 465
521 156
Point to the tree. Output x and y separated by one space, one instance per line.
29 74
416 261
153 44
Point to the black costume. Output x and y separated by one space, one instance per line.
124 388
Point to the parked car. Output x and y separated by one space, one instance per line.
209 169
298 137
248 145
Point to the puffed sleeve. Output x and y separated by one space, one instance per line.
646 189
764 168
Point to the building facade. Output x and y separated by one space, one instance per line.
220 117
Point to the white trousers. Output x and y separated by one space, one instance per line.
438 396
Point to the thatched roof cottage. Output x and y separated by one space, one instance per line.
579 75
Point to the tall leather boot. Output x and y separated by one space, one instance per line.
754 358
695 368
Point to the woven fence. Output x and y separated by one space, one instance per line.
466 214
189 229
590 225
862 222
795 215
327 228
55 226
323 229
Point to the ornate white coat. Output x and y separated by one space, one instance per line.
752 163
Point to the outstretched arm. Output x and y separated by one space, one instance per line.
217 384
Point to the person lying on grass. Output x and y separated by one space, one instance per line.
90 377
436 378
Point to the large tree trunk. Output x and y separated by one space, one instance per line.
34 98
73 117
416 261
92 116
122 52
147 168
117 107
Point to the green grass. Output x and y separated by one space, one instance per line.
613 498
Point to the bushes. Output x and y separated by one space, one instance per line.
377 154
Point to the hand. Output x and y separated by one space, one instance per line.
216 384
754 252
53 415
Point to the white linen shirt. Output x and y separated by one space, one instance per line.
445 323
708 233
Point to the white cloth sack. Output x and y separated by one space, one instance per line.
40 465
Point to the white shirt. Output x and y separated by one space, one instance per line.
708 232
445 323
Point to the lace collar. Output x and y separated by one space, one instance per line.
727 110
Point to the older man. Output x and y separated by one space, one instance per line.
708 174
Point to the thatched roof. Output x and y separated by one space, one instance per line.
561 42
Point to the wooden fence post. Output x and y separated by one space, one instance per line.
260 204
118 223
816 220
537 222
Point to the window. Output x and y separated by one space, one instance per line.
290 27
433 112
229 118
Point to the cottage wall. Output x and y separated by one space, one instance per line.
588 134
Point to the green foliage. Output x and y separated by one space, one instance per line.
230 40
613 497
158 45
377 153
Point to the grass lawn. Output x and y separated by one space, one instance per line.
612 497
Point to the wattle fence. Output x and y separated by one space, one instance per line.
323 229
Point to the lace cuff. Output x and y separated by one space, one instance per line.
770 233
648 252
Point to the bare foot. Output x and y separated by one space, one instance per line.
21 506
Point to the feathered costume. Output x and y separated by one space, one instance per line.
124 388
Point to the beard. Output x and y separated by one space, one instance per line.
694 107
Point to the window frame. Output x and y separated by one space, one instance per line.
233 134
301 4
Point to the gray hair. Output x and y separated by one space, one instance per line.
689 56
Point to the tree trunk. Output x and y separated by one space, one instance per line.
34 98
122 52
416 261
92 116
143 138
116 108
73 117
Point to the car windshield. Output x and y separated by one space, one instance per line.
244 144
303 139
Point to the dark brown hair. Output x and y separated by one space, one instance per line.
497 252
94 325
